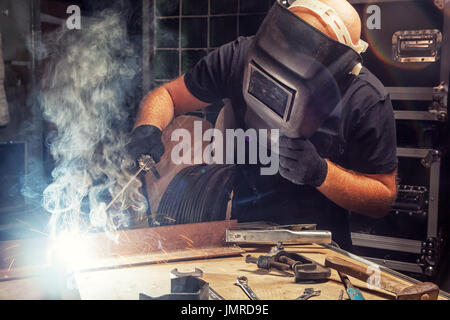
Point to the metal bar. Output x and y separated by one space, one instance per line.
397 265
445 62
416 115
213 15
388 243
411 93
413 152
274 236
433 199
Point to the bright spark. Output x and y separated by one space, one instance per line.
71 249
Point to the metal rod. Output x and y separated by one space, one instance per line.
142 168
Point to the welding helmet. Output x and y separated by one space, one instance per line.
295 75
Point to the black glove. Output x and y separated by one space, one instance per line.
146 140
300 163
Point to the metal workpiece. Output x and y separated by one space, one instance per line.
213 294
183 288
196 273
186 286
278 235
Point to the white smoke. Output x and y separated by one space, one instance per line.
89 74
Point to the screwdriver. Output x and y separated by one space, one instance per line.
352 292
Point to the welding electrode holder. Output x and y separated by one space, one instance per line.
146 164
145 147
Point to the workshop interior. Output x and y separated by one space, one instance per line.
73 75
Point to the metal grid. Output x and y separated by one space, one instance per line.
208 16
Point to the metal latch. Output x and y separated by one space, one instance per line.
416 46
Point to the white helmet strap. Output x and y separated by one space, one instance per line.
332 19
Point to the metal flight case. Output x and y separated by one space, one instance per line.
409 51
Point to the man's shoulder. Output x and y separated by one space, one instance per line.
367 88
239 50
246 41
366 96
238 47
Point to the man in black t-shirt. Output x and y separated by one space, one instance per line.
349 164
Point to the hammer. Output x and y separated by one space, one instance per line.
420 291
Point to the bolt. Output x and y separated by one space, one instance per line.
250 259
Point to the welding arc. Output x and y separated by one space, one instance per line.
198 193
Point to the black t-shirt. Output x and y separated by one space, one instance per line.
364 140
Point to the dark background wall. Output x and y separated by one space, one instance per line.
186 30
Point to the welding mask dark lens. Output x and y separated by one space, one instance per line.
295 75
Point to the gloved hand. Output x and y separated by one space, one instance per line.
146 140
300 163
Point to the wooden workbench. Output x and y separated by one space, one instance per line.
220 273
137 263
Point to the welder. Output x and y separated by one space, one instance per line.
302 74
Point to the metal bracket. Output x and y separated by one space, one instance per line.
430 255
430 158
439 104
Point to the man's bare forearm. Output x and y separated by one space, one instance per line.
157 109
358 193
160 106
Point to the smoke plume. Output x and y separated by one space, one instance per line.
89 75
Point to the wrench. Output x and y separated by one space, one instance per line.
308 293
242 282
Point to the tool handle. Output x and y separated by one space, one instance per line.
420 291
352 292
351 269
363 273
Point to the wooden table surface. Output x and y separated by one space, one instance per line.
220 273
